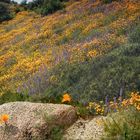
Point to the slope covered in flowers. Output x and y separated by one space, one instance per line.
84 30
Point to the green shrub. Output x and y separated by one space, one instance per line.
126 129
18 9
45 7
57 133
5 13
51 6
108 1
5 1
11 97
82 112
135 35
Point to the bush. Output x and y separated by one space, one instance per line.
5 13
45 7
126 129
11 97
51 6
57 133
109 1
135 35
6 1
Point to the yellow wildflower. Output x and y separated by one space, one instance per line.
99 122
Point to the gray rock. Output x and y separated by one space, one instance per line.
34 121
85 130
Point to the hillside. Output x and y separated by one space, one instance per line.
89 49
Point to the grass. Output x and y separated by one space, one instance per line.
126 129
12 97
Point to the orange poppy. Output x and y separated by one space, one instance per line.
66 98
5 118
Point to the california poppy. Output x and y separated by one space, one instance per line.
66 98
5 118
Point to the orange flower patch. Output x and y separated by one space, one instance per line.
66 98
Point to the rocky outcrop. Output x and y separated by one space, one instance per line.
34 121
91 129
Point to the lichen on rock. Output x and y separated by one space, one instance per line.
34 120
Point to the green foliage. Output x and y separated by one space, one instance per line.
51 7
39 98
18 9
126 129
8 9
86 81
58 29
5 1
56 133
109 1
11 97
135 35
113 16
5 13
93 33
101 76
45 7
82 111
